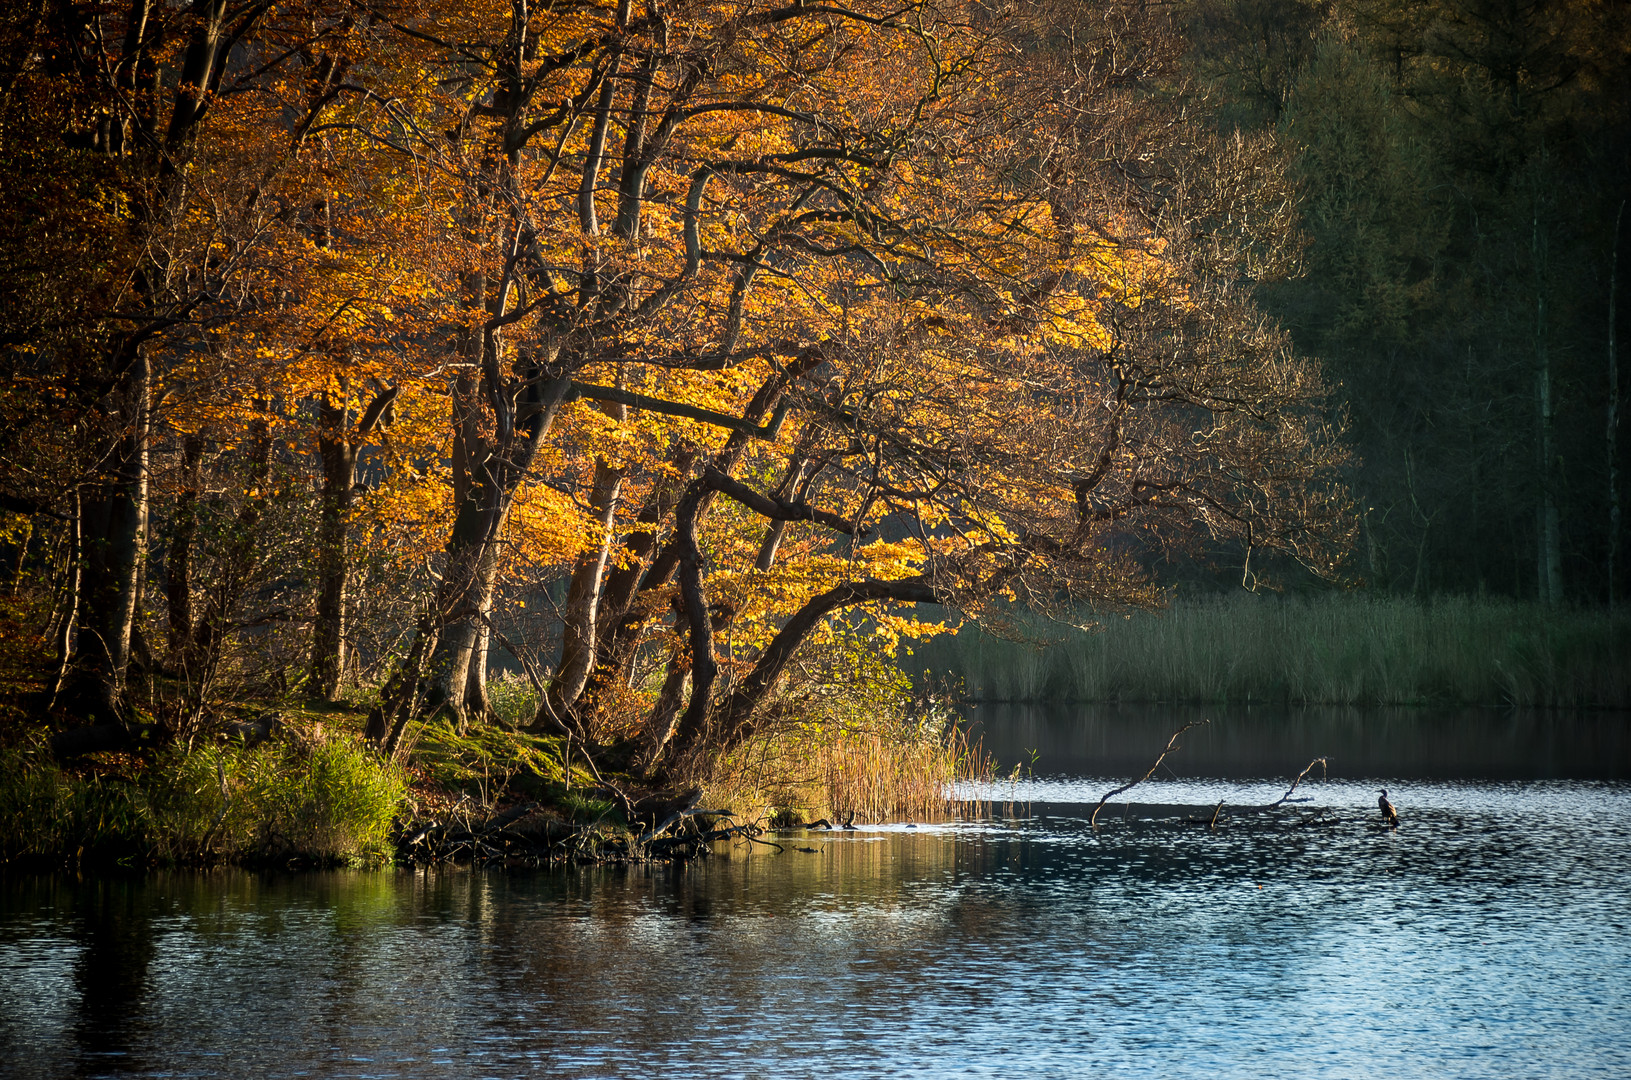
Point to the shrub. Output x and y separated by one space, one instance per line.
331 802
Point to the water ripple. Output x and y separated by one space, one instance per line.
1486 936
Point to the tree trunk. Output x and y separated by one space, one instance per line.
334 563
477 506
794 487
659 726
616 632
692 727
64 635
579 633
734 717
179 570
114 523
622 588
338 447
485 482
464 597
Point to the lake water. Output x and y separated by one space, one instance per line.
1486 937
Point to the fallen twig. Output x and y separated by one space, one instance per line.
1172 744
1317 761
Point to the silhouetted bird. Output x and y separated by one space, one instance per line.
1390 816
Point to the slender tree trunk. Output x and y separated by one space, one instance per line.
579 633
624 586
795 487
339 474
179 571
617 631
692 728
734 722
65 634
659 726
597 151
476 702
114 523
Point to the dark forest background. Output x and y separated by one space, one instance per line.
1463 168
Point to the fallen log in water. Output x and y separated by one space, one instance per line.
1188 813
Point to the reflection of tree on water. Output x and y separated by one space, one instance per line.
1274 741
930 951
110 1016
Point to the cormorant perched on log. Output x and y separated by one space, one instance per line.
1390 816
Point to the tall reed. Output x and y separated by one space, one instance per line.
884 772
1341 649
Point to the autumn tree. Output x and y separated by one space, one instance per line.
692 327
1003 363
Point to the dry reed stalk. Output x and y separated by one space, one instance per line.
877 774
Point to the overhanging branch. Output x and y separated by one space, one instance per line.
612 394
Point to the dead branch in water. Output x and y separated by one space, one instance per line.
1300 776
1172 744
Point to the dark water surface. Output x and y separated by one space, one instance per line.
1487 937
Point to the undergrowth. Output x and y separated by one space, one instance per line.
328 802
855 741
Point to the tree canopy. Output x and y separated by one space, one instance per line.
637 341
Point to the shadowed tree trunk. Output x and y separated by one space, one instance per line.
114 523
794 487
733 720
620 630
338 447
438 671
579 633
179 598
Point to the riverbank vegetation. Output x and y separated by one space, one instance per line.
294 801
1324 649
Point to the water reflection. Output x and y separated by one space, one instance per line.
1487 936
1274 741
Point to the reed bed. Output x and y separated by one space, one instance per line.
882 773
1336 649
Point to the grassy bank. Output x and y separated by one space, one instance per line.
327 802
1337 649
314 794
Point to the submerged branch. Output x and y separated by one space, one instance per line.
1172 744
1300 777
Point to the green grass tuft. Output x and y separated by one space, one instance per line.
332 802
